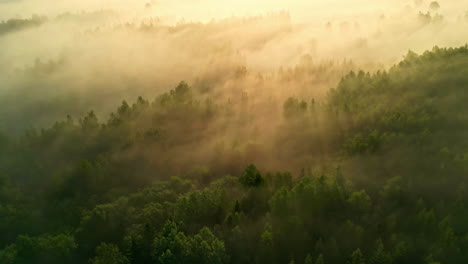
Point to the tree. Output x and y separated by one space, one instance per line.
124 110
89 122
434 6
380 256
182 93
360 202
4 142
357 257
197 209
266 248
42 249
251 177
8 254
320 260
237 208
108 254
171 245
205 248
292 107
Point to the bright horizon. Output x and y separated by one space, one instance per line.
203 10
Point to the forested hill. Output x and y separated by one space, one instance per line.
375 173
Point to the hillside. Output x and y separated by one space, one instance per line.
373 172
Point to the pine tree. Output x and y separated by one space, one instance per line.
357 257
320 260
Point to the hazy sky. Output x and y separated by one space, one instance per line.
205 10
363 15
199 9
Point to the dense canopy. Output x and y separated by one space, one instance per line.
374 172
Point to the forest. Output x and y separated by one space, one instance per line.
190 146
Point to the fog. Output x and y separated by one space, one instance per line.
200 10
205 131
86 55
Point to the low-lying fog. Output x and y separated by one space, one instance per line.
82 55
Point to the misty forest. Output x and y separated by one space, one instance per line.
203 131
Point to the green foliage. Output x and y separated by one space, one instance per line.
90 122
85 190
108 254
201 208
9 254
294 108
206 248
43 249
173 246
357 257
181 93
360 144
360 201
380 256
251 177
16 24
320 260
